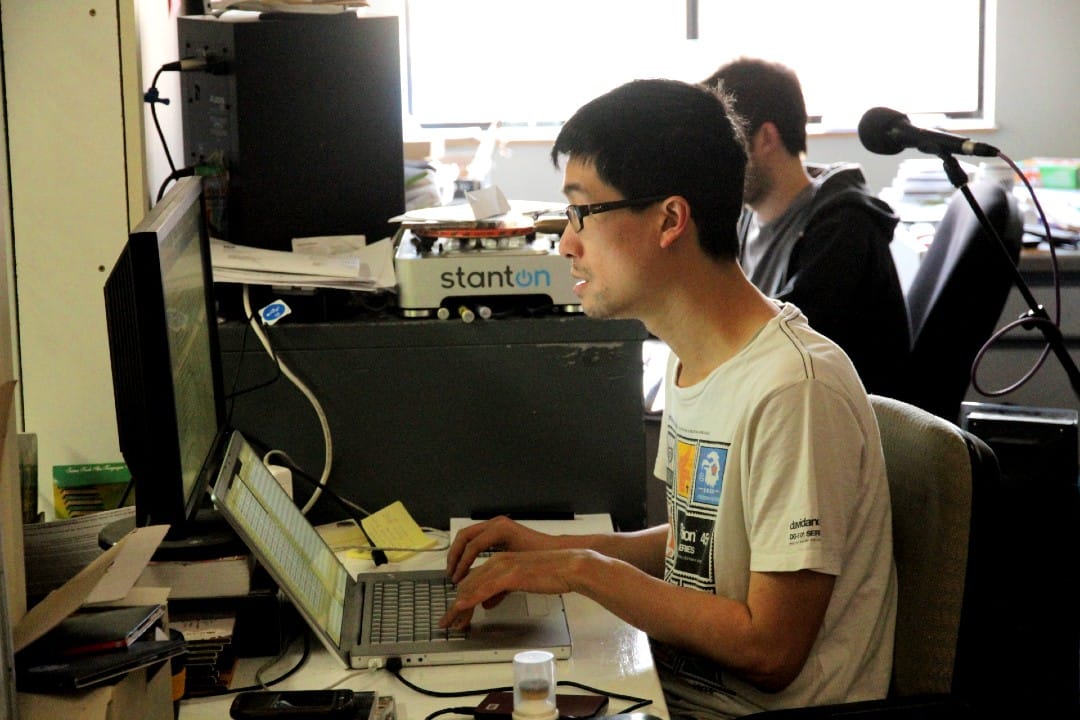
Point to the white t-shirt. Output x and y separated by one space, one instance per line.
773 463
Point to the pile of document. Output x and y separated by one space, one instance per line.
342 262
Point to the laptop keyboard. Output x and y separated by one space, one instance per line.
409 611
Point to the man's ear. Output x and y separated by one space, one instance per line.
767 139
676 220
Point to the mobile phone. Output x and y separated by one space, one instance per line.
294 704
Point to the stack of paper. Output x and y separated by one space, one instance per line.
334 262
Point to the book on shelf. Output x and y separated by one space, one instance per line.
226 576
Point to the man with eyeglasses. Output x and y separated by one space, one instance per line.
772 585
812 234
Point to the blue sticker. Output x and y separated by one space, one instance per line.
274 312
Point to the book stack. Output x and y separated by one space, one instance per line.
226 576
920 189
207 590
211 658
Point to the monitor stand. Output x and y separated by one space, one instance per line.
208 535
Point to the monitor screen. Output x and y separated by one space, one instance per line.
163 347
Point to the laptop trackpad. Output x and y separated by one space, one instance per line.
518 605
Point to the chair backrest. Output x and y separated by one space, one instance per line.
941 479
957 295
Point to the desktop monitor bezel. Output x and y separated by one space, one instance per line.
146 385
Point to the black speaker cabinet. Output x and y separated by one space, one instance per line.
1038 526
296 124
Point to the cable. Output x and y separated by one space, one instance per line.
174 175
1027 322
358 513
323 423
394 667
260 684
153 98
233 392
467 711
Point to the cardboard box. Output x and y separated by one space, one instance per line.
144 694
109 580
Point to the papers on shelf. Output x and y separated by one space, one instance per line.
342 262
463 213
57 550
298 6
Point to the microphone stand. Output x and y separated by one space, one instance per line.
1036 314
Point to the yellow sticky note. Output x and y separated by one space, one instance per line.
394 527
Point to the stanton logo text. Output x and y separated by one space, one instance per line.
493 279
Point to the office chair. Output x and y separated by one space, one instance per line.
944 486
957 295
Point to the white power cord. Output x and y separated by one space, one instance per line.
261 334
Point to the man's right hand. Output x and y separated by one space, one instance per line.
500 533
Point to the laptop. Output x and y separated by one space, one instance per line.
342 611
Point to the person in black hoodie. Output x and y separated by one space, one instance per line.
814 235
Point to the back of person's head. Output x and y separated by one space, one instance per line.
762 92
664 137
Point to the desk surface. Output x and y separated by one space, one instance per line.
607 655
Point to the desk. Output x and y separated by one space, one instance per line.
608 655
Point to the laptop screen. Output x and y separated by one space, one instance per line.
282 538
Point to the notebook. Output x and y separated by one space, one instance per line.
341 610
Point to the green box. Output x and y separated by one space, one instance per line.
1062 176
90 487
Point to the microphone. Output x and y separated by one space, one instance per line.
886 132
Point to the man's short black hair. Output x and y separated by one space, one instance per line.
664 137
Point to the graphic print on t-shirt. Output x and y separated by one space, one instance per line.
696 473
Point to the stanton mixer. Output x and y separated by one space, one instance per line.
439 265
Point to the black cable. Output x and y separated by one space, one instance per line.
467 711
174 175
350 510
233 393
394 667
153 98
281 678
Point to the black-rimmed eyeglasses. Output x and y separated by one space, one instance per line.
576 213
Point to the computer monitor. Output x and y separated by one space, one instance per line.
166 372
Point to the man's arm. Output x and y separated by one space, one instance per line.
766 640
643 549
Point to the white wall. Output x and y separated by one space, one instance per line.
1037 108
75 158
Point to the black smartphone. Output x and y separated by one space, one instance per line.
294 704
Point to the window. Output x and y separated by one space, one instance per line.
533 62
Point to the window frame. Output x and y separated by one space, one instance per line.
981 117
